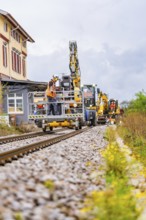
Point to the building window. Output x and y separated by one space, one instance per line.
24 43
24 66
5 27
16 61
15 103
4 48
15 35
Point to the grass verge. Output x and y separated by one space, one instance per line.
117 201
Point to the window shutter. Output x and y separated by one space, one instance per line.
6 55
20 64
3 55
14 61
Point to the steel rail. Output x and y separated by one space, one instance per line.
9 139
7 156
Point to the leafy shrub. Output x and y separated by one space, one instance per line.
110 205
116 202
135 123
133 132
138 104
115 161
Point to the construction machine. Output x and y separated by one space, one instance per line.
113 111
88 91
73 106
102 107
68 99
89 96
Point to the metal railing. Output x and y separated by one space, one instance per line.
68 104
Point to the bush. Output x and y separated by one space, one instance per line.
133 132
110 205
22 128
138 104
135 123
7 130
116 202
115 161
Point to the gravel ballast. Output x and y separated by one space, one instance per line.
51 184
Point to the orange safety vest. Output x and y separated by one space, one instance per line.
112 106
40 106
51 91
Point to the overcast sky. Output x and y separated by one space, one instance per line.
110 34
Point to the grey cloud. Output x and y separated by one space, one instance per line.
121 76
110 36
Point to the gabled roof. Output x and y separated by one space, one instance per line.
16 25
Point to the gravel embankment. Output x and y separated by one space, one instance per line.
72 169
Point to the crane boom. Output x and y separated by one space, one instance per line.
74 65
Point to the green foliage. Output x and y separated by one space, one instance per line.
49 184
115 161
135 123
139 104
111 204
116 202
18 216
133 132
6 130
22 128
110 135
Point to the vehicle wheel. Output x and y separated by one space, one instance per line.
44 129
51 128
70 127
80 126
76 128
94 122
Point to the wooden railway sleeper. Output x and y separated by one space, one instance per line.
9 159
2 162
15 157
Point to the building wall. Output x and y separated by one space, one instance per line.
12 44
19 117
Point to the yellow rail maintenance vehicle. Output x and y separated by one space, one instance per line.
113 111
65 111
89 96
102 107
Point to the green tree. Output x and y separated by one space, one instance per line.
138 104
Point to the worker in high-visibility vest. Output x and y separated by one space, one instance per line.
112 106
51 96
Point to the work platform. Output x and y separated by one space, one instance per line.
69 104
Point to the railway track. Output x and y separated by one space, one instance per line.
5 140
8 156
